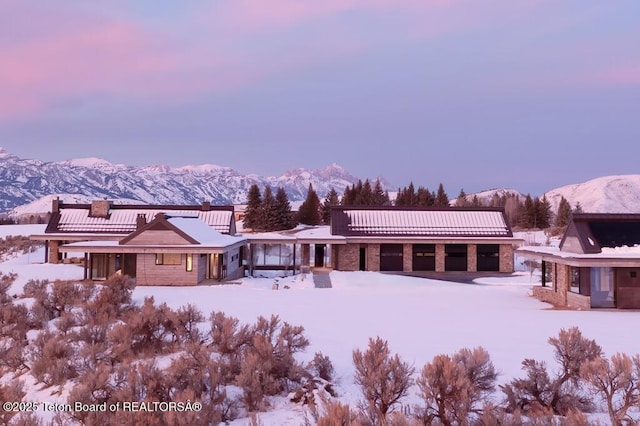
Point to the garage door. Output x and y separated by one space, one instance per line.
455 257
424 257
488 257
391 257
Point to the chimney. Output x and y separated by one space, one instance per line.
206 206
100 208
141 220
55 205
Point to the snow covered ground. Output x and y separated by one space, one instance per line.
419 317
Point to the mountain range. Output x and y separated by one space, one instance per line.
27 186
25 181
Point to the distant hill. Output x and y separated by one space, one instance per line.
607 194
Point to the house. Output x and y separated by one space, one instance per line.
422 239
597 264
393 239
156 245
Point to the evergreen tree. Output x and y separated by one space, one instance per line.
283 216
253 212
349 196
528 213
269 213
578 208
442 200
564 212
309 213
462 201
399 201
475 201
330 200
424 197
543 213
379 196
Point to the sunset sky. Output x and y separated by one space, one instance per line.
529 95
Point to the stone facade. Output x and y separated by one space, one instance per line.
373 257
472 257
506 258
407 257
440 255
556 290
348 257
100 208
54 251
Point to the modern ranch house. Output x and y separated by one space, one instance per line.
194 244
597 264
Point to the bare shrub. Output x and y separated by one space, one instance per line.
453 387
35 288
146 330
13 392
64 296
256 378
188 319
384 379
6 281
560 394
13 336
337 414
322 366
230 340
617 381
112 300
52 359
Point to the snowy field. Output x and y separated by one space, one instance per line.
420 318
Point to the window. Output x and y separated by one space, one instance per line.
574 276
168 259
189 262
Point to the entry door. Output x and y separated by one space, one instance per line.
319 257
363 259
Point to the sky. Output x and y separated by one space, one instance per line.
530 95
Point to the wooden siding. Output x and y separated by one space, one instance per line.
158 238
148 273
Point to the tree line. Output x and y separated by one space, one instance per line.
269 213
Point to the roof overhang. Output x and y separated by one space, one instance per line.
104 247
552 254
81 236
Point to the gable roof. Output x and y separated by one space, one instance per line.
190 227
595 231
419 222
122 219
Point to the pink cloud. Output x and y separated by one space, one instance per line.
113 57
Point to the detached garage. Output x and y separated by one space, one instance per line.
423 239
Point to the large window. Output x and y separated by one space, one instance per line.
168 259
602 288
189 262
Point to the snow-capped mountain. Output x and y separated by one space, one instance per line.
23 181
607 194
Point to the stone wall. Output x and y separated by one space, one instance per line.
440 255
506 258
472 257
578 301
373 257
54 251
556 290
407 257
348 257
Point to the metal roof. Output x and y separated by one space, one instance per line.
419 222
124 221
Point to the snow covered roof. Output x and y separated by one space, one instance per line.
448 222
613 256
122 219
201 232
